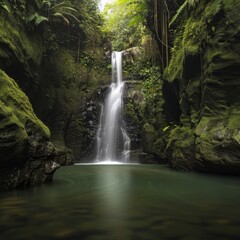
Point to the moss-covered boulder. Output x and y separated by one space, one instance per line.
181 146
20 52
218 143
27 155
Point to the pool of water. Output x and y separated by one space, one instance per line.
124 202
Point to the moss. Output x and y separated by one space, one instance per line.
191 35
130 111
16 102
181 148
62 65
205 61
18 126
218 140
13 137
148 138
15 43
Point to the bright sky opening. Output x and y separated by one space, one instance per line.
102 4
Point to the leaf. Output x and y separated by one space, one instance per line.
179 11
37 19
70 8
5 7
166 128
40 19
71 15
60 15
57 5
46 2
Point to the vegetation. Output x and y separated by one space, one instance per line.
125 23
4 7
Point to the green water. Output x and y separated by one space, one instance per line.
124 202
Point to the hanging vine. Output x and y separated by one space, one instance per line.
161 20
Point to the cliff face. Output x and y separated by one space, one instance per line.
65 99
204 68
27 155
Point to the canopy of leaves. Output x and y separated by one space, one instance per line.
125 22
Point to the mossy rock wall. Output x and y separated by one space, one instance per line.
206 61
27 155
133 101
20 53
65 99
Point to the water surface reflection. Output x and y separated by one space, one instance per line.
124 202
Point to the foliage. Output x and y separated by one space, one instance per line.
189 3
179 11
90 20
37 19
152 85
153 99
59 9
125 22
191 36
4 7
52 10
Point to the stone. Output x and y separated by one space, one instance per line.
205 63
27 155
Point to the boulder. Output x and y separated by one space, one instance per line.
27 155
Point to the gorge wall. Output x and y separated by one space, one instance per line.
201 91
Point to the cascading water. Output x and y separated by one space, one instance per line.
113 143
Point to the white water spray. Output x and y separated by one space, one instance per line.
113 143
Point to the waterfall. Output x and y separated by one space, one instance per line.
113 143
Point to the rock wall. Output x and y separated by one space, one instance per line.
205 63
133 100
27 155
66 99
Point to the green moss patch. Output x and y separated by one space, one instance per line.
17 120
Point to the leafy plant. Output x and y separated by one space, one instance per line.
62 10
189 3
37 19
4 7
153 100
125 21
52 11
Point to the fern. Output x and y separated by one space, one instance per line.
37 19
189 3
60 15
62 10
193 3
179 11
4 7
72 16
